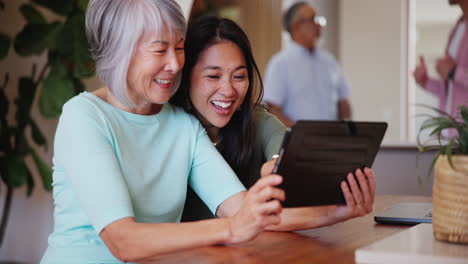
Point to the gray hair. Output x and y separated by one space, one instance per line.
290 15
113 28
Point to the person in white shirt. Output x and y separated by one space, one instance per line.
304 81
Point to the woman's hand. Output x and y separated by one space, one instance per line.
260 208
444 66
268 166
359 196
420 73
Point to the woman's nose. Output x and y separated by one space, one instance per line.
174 62
226 88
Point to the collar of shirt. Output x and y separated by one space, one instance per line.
303 51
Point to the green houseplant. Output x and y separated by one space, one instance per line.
55 82
450 189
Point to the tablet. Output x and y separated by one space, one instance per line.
316 156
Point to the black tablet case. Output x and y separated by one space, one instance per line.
317 155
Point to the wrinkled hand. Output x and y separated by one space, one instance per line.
359 196
260 208
444 66
420 73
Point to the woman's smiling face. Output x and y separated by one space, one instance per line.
153 68
218 83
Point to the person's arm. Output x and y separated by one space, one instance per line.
444 66
344 109
245 215
130 241
344 91
448 69
278 112
359 196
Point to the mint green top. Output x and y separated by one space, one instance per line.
111 164
269 136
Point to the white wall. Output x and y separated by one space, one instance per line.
186 6
397 171
372 45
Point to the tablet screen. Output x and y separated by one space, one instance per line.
317 155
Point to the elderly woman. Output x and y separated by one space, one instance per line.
218 87
123 158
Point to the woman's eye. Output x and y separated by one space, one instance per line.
240 77
160 51
213 76
180 49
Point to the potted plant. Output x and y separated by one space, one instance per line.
450 189
54 82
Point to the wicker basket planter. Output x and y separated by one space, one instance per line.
450 199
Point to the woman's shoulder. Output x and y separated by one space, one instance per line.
82 103
178 113
261 116
267 124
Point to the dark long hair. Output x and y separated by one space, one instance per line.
238 136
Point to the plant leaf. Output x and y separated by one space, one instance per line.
4 45
83 5
464 113
31 14
78 85
22 145
29 182
14 170
61 7
37 135
3 169
443 124
431 168
57 66
44 171
35 38
4 104
57 90
463 141
435 109
448 151
5 142
26 92
75 45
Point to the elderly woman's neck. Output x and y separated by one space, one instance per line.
147 109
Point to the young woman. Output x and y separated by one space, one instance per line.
221 86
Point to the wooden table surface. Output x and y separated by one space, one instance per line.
333 244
